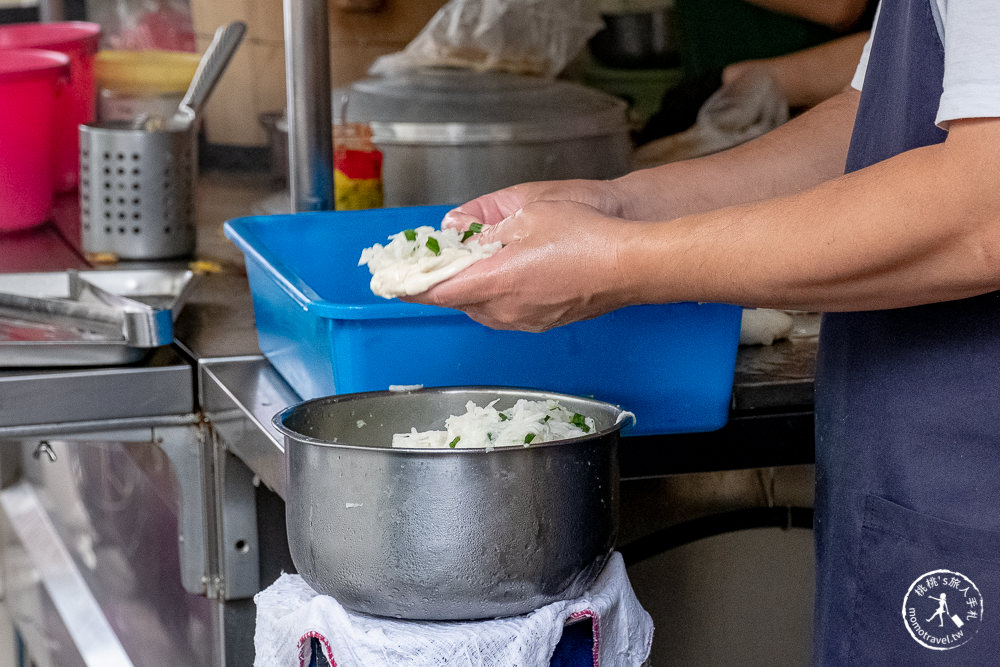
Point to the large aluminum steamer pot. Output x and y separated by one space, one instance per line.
450 135
445 534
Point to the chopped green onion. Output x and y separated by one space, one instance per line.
432 245
528 438
547 417
580 421
491 437
410 234
455 441
474 228
503 417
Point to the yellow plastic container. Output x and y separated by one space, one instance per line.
149 82
146 72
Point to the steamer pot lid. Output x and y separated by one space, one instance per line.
443 105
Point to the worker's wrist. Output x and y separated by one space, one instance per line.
624 195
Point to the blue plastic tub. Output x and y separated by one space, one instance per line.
319 324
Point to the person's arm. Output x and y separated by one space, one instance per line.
800 154
837 14
809 76
766 167
920 227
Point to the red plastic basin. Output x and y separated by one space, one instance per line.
79 40
30 85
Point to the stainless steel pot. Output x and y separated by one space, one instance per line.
449 135
639 39
445 534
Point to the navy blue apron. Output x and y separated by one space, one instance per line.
907 424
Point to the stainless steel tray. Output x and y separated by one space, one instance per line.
88 318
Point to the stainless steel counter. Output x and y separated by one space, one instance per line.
240 395
160 385
780 376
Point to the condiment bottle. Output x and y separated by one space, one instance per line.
357 168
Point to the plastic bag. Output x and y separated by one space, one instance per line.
137 25
538 37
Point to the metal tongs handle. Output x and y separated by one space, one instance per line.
92 308
141 324
60 312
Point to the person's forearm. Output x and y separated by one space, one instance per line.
799 155
921 227
813 75
838 14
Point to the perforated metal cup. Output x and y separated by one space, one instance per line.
137 190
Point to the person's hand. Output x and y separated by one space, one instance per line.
559 264
492 208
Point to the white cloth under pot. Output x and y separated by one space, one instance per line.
290 614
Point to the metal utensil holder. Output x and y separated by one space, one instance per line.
137 190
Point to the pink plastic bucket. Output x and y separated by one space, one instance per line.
30 86
78 40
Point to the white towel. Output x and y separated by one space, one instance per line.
741 110
290 613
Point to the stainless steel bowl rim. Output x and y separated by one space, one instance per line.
278 421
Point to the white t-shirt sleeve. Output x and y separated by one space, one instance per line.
971 54
859 74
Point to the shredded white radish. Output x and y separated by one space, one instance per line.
524 424
404 267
